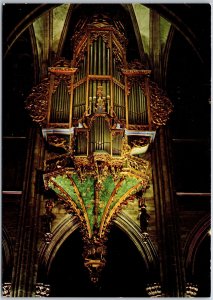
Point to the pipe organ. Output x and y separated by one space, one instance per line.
98 91
98 114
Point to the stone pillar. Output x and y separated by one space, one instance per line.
25 258
171 262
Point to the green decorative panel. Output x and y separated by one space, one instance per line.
105 193
127 184
65 188
96 199
86 190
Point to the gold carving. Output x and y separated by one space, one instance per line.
37 102
136 72
160 105
104 34
57 163
61 142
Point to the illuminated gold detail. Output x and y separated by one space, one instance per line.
37 102
97 96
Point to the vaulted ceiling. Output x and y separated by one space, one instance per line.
194 28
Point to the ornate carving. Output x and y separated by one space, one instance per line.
118 56
154 290
80 50
56 163
61 63
96 187
94 257
105 35
37 102
58 79
42 290
131 72
160 104
120 42
191 290
138 127
58 125
62 71
60 142
86 195
140 146
143 141
48 237
131 80
6 289
47 219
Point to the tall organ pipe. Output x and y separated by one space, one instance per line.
99 56
137 104
104 58
91 59
95 58
108 61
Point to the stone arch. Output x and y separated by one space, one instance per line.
194 240
7 254
142 243
71 223
48 251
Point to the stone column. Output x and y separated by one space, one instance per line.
171 262
25 258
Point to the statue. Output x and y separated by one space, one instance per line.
144 217
100 104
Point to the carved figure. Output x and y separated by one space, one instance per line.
144 218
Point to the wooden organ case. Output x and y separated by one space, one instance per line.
98 114
99 94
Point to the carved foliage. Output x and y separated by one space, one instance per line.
6 289
104 34
37 102
42 290
160 104
58 79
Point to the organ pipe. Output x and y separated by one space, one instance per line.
148 100
104 61
101 59
99 56
108 61
60 104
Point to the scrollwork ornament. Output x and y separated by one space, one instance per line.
6 289
95 35
37 102
154 290
42 290
160 105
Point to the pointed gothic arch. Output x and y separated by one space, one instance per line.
71 223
